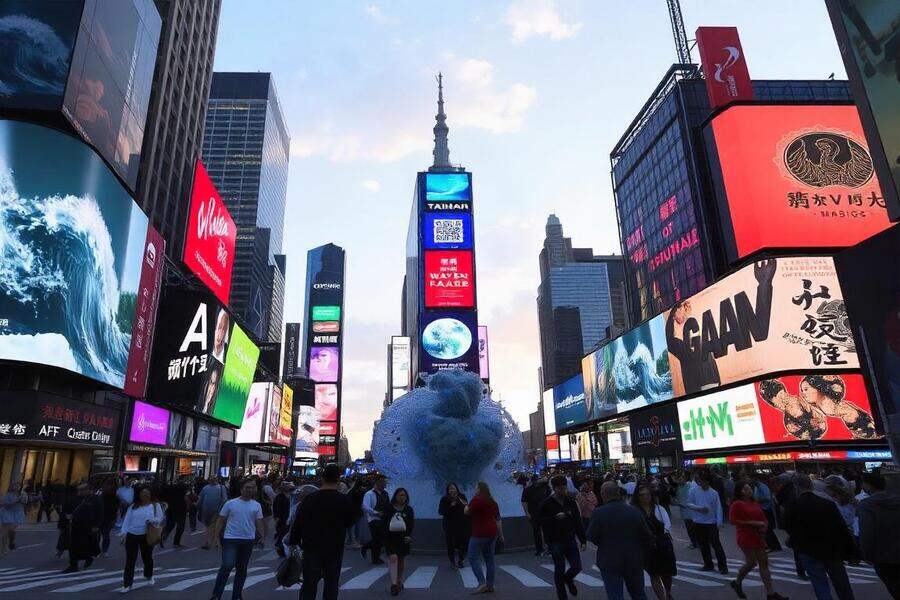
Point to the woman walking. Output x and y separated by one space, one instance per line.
12 514
456 526
750 525
141 531
586 501
660 565
484 515
397 523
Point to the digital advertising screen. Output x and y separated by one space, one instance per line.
655 432
568 403
551 444
565 449
449 341
630 372
292 350
307 442
794 176
146 306
237 376
254 418
724 65
549 412
447 186
181 431
33 416
774 315
210 237
273 421
324 363
73 250
284 422
449 279
328 428
149 424
484 355
326 313
580 446
447 231
400 362
326 397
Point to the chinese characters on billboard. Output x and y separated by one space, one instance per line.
210 237
27 415
794 177
449 279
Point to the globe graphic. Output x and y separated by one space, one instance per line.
446 339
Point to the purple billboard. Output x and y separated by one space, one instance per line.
149 424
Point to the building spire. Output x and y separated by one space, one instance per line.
441 150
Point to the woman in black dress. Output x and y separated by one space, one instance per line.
660 564
397 524
456 525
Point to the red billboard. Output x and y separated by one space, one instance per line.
795 176
449 279
144 323
210 237
724 65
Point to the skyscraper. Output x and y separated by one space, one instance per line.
246 149
580 296
174 132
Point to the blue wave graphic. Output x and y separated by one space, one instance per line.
33 58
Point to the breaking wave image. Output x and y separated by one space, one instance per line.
33 58
449 431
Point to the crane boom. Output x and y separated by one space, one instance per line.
681 40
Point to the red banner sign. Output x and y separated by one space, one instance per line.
724 66
144 322
210 238
449 280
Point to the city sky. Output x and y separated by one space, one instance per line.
537 93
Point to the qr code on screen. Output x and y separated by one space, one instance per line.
448 231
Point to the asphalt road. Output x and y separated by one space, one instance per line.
32 571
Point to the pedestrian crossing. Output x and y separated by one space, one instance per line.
368 578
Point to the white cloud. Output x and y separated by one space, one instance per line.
374 13
529 18
371 185
474 100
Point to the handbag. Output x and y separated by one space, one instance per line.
154 532
289 571
397 524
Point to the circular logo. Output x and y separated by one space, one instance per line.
446 339
826 158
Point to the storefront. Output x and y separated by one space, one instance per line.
804 461
48 438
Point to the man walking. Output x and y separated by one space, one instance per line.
879 531
622 538
241 519
176 498
560 521
320 529
821 538
375 505
706 509
533 497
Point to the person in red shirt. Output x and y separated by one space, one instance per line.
484 515
750 524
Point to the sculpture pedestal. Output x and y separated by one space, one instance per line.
428 537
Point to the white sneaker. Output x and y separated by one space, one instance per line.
151 581
125 590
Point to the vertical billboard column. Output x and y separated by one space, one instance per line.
724 65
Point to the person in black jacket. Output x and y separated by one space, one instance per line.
281 510
319 528
84 528
397 524
456 526
821 538
532 498
560 520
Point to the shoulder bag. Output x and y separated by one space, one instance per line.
154 532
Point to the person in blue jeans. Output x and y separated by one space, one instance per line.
484 515
560 520
240 523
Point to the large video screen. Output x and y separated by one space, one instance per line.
324 363
795 177
326 397
568 403
237 376
580 446
287 414
774 315
307 442
447 186
549 412
551 444
449 341
210 237
72 246
449 279
255 410
796 408
447 231
149 424
655 431
630 372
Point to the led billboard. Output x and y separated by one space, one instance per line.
580 446
181 431
724 65
255 410
326 313
210 237
655 432
237 376
565 449
447 186
284 425
447 231
326 398
147 303
551 443
400 362
307 442
794 176
774 315
273 419
292 350
549 412
72 255
484 355
568 403
324 363
149 424
630 372
449 279
449 341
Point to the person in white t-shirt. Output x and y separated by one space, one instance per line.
241 519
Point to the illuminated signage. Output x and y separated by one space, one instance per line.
284 424
449 279
447 230
149 424
868 455
447 186
237 377
324 363
549 413
484 358
326 398
724 65
152 270
795 176
580 446
400 362
551 443
568 403
449 341
326 313
655 432
211 235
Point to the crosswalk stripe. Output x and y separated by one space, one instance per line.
16 573
850 568
525 577
101 582
296 587
183 585
30 546
683 566
582 578
421 578
365 579
267 556
468 578
144 583
775 569
251 581
51 579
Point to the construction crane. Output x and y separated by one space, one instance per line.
681 41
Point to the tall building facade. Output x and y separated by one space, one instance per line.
173 135
246 147
580 300
667 218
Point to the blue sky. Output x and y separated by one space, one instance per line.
537 93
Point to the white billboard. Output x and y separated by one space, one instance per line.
721 420
400 362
